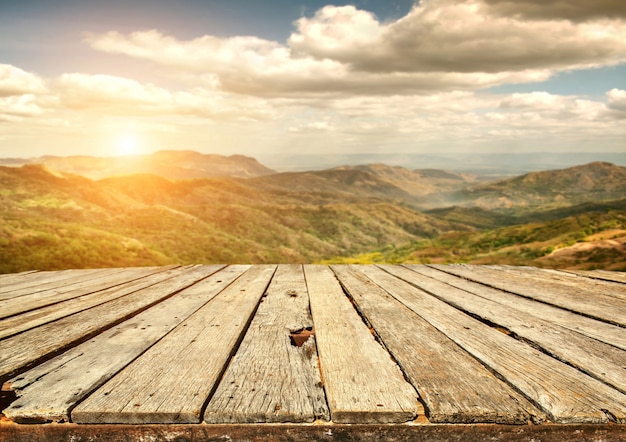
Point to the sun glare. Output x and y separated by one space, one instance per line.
127 144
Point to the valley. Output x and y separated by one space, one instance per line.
186 207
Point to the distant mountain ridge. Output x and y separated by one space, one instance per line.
423 189
495 165
54 221
368 213
172 164
428 189
597 181
372 181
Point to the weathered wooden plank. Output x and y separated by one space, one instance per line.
271 378
84 286
453 385
47 392
18 274
18 323
362 383
328 432
20 351
172 380
602 361
563 392
603 307
601 274
609 333
11 278
581 284
41 281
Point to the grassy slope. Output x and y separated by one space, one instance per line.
54 222
588 237
353 215
548 190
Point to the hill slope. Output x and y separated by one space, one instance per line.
374 181
348 214
172 164
549 189
59 221
588 236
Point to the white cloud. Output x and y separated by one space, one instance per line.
83 91
344 78
125 96
440 45
458 120
255 67
463 37
617 99
335 31
20 106
316 126
14 81
578 10
22 95
616 104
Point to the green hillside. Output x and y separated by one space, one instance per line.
571 218
548 189
66 221
590 236
174 164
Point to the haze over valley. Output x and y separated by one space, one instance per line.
150 132
215 209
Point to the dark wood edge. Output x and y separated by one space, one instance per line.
313 432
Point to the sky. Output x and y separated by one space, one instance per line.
104 78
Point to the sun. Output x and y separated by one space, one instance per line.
127 144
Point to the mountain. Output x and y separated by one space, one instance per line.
369 213
54 220
173 164
418 182
374 181
332 185
596 181
587 236
430 189
494 165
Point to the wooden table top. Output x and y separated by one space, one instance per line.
330 348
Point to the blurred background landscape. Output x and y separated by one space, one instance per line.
183 207
150 132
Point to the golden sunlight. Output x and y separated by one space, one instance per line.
127 144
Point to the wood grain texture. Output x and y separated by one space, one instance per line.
362 383
34 318
563 392
600 306
41 281
9 279
454 386
601 274
171 381
599 330
600 360
270 379
581 284
328 432
12 276
35 279
47 392
191 338
85 286
19 351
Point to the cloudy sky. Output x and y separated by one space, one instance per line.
296 76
